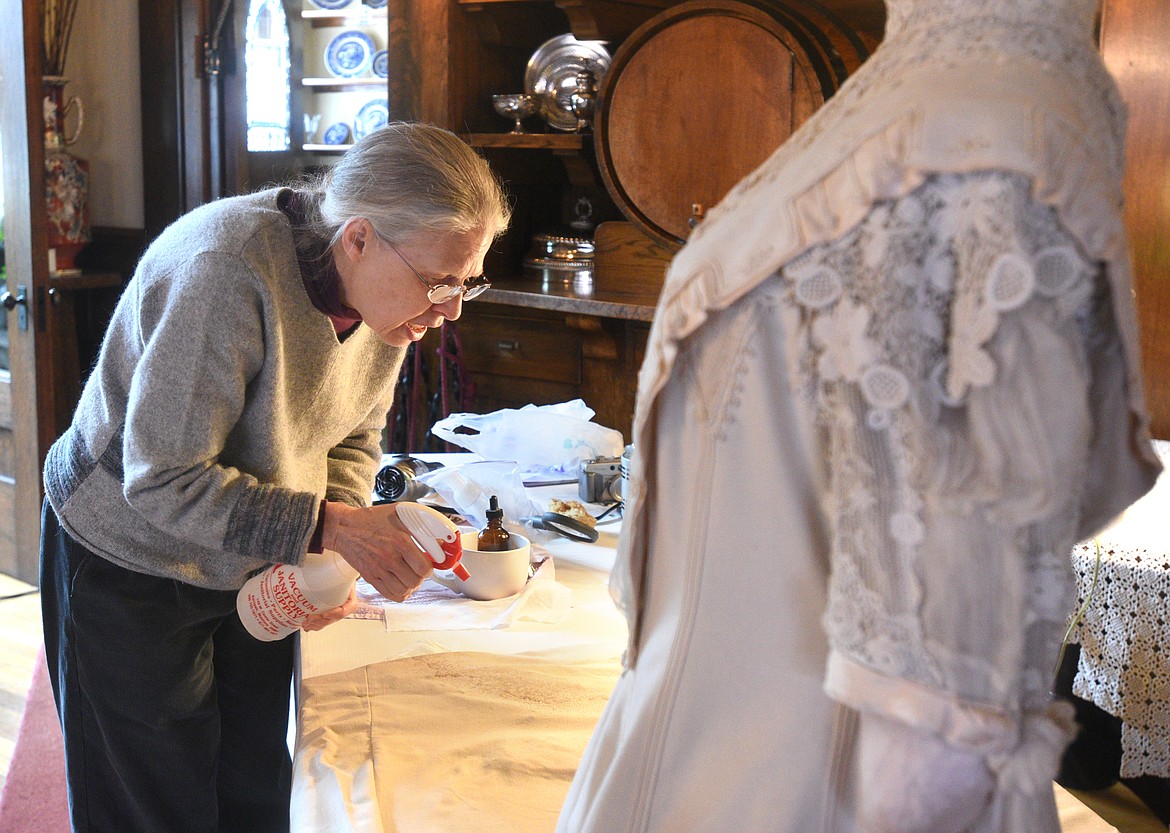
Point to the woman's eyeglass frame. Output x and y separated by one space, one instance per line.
441 293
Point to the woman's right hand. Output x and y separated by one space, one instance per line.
376 544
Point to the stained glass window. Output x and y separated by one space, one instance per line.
266 61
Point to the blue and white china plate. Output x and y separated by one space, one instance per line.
381 65
375 4
331 5
349 54
374 114
337 134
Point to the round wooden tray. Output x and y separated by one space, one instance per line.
702 93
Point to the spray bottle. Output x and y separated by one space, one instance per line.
276 602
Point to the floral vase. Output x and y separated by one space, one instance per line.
66 176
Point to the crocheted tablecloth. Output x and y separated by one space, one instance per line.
1125 633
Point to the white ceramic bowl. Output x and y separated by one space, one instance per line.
494 575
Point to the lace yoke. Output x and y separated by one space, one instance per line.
1057 34
1069 19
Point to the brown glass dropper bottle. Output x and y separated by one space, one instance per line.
493 537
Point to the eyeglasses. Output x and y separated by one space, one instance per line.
441 293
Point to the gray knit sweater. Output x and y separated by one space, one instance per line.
222 407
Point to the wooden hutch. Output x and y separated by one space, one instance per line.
524 341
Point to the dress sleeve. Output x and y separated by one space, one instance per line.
946 348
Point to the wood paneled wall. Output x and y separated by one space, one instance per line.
1135 41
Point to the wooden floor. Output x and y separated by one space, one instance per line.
20 641
1109 811
1106 811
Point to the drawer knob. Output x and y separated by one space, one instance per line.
508 346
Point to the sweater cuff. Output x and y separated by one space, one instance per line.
315 543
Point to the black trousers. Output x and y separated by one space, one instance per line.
175 719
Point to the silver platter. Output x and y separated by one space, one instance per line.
558 265
576 275
562 248
551 76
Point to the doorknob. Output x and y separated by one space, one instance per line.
11 301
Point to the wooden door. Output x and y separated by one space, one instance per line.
182 151
26 390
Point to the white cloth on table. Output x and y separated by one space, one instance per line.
1124 665
443 730
911 334
591 624
435 607
446 742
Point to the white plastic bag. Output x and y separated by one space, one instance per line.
468 488
554 437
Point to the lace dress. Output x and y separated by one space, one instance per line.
892 379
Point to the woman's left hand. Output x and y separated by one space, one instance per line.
328 617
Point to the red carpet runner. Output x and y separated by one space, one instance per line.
34 799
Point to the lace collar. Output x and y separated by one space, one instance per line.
1073 19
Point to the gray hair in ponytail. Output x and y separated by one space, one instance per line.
409 179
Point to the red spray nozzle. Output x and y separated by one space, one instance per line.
436 534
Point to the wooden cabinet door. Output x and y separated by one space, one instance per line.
1134 38
27 402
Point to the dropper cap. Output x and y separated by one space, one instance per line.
494 511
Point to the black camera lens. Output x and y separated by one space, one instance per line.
398 479
390 483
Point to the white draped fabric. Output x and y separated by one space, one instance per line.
878 377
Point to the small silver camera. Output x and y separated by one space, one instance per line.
600 480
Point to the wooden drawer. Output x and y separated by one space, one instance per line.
521 346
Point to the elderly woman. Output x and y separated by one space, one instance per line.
232 421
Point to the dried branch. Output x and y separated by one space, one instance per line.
58 24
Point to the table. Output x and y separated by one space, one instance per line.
1124 636
459 715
